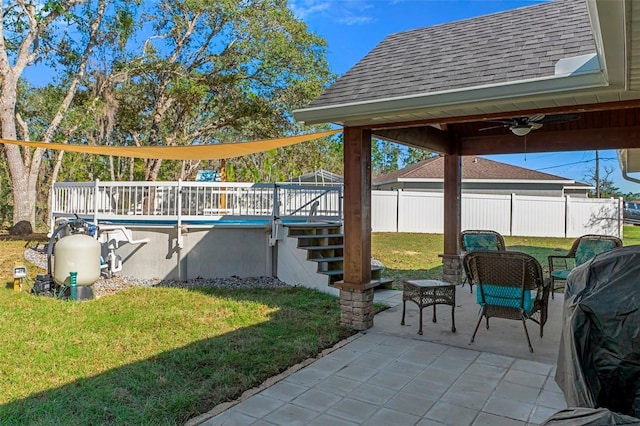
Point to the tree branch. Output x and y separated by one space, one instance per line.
64 106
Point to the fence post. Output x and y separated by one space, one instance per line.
340 199
566 215
397 208
511 204
276 203
619 215
179 196
95 202
52 206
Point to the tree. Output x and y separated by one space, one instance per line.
185 72
414 155
603 183
215 72
385 156
58 34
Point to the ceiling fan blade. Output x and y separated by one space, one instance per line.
535 125
560 118
494 127
536 118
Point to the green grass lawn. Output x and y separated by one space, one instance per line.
152 356
159 356
408 255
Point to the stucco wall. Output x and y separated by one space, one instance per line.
207 253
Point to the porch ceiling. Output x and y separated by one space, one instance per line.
604 126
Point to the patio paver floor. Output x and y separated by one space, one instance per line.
387 376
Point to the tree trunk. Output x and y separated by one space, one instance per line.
24 200
153 170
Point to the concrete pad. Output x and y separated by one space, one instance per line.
504 337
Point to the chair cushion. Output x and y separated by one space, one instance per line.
504 296
560 274
588 249
480 242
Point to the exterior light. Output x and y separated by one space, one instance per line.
521 129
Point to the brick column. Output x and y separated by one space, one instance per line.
451 269
356 308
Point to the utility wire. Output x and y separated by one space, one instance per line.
572 164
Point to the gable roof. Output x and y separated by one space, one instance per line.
518 44
559 53
473 169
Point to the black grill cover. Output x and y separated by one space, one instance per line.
599 355
589 417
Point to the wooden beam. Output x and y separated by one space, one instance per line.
568 109
553 141
357 209
452 214
427 138
452 202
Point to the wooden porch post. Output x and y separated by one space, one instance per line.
451 271
356 289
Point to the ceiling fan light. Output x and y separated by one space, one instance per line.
521 130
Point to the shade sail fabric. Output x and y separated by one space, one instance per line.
188 152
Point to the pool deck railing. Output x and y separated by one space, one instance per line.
194 203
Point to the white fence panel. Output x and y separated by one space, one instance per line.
420 212
487 211
594 216
384 211
538 216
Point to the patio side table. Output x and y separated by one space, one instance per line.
426 293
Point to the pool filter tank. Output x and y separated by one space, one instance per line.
77 253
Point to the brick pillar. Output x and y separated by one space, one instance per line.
356 308
451 269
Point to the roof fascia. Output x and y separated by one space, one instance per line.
384 182
573 187
432 180
609 27
592 79
627 166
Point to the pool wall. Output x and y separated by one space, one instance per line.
214 252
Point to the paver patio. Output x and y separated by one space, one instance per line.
389 375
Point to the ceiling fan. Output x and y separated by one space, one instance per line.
521 126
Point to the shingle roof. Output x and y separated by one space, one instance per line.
514 45
472 168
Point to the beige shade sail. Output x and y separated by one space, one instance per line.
188 152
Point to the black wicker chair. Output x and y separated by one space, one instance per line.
510 286
477 239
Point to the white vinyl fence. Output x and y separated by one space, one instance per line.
564 217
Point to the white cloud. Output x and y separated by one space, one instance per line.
305 8
352 12
355 20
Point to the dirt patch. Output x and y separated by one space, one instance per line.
407 252
36 236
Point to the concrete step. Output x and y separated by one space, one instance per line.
318 248
340 271
327 259
384 283
312 236
314 225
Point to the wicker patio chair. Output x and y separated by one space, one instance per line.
582 250
510 286
476 239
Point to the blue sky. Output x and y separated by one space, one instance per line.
352 28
